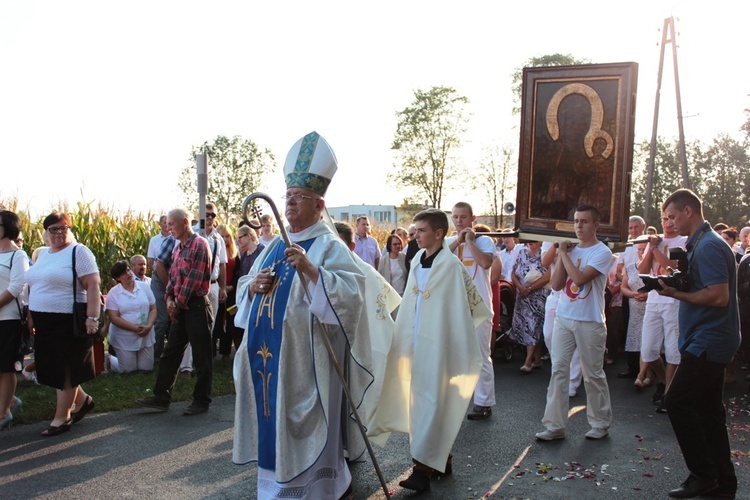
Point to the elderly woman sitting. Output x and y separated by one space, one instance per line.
131 308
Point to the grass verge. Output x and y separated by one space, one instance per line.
114 391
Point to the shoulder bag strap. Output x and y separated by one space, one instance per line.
213 257
20 312
75 274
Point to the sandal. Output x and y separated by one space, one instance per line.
55 430
85 408
647 382
638 384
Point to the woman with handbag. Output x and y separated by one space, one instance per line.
13 266
63 349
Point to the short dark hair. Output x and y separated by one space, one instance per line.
731 232
56 217
118 269
463 204
11 224
435 218
390 239
720 227
345 232
595 213
682 198
362 217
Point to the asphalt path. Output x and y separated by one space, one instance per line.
143 454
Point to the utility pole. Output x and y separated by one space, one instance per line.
668 36
202 171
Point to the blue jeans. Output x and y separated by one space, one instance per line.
193 326
161 326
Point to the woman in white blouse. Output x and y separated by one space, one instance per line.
131 309
62 360
393 264
13 266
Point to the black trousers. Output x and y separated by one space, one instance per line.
193 326
696 411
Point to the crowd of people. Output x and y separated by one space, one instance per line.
413 324
37 307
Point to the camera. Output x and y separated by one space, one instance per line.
675 278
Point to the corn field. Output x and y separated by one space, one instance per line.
110 238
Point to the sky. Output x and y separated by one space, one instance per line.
102 101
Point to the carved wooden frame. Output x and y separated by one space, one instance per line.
577 133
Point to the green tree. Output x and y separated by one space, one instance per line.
535 62
722 179
428 134
236 168
746 126
667 178
495 177
408 209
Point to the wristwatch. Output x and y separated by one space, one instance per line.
92 318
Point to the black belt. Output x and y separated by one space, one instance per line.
214 281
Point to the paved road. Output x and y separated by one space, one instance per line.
137 454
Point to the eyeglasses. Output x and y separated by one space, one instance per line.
213 216
296 198
58 229
242 236
19 241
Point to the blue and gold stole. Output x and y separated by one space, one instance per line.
264 347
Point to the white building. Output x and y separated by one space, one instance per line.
383 215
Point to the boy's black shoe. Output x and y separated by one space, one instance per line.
418 481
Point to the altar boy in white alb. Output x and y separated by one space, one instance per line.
435 360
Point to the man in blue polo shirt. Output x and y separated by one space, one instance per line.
709 338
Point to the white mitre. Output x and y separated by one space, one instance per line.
310 164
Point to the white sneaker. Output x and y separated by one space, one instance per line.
597 433
550 435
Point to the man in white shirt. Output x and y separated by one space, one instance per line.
154 243
660 322
636 228
159 287
581 276
476 253
509 254
138 266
